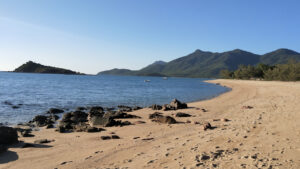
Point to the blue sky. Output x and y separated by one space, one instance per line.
94 35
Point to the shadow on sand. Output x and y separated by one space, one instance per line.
10 156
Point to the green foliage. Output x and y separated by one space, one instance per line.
282 72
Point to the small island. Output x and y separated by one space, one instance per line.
32 67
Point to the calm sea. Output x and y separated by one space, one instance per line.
36 93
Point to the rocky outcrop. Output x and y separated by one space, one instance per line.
177 104
42 120
71 119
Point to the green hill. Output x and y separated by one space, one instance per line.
209 64
31 67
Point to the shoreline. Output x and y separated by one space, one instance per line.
68 109
262 131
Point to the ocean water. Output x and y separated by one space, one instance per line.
36 93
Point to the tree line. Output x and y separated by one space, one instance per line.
282 72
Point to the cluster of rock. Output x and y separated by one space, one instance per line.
96 117
174 105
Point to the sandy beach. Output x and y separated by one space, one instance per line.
262 131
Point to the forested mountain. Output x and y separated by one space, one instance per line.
209 64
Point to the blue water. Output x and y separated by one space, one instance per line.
38 92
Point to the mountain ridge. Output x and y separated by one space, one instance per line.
208 64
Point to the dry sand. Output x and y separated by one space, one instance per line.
265 136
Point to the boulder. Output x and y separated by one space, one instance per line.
156 107
72 120
55 111
3 148
102 121
96 109
41 120
8 135
78 116
158 117
177 104
180 114
165 120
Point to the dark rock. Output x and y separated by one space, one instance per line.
167 107
73 120
3 148
24 132
155 115
156 107
125 123
94 129
105 137
137 108
206 126
205 157
55 111
121 115
8 135
96 110
61 129
178 105
115 137
49 126
102 121
41 120
123 108
81 109
180 114
158 117
42 141
78 116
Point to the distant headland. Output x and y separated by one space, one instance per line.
32 67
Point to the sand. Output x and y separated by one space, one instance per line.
263 131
